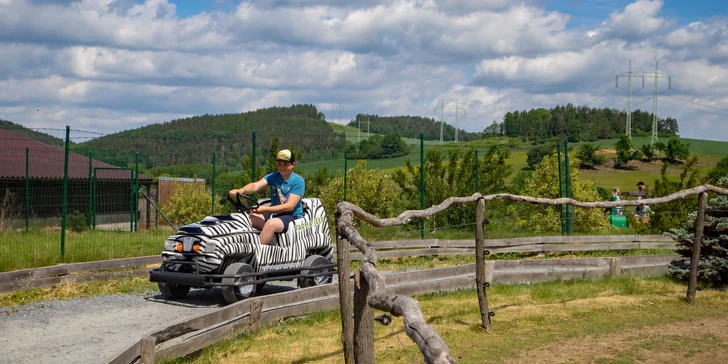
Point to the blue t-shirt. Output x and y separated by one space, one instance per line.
280 189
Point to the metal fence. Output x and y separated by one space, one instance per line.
58 205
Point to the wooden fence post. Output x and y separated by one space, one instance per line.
147 349
256 307
697 241
480 281
345 298
363 322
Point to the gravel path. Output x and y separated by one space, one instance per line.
91 329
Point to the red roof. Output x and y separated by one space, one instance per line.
47 161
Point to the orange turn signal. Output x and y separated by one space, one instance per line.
178 247
196 248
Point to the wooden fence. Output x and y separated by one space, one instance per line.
190 335
371 291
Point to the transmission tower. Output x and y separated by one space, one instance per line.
457 109
657 75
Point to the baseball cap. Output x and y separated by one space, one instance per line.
640 183
286 155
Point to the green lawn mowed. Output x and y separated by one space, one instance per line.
38 248
623 320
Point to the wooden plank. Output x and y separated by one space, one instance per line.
647 260
401 278
550 264
147 345
591 239
455 251
655 238
665 245
402 244
78 278
113 264
200 322
65 269
516 249
588 247
513 242
126 356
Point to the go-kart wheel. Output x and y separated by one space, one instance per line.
259 287
234 294
313 261
173 291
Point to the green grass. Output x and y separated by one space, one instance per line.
528 317
38 248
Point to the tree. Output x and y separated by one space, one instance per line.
671 215
624 150
587 154
648 152
535 155
677 150
545 183
720 170
660 147
454 176
713 261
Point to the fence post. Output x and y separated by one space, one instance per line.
477 172
363 322
131 202
254 158
212 194
345 298
93 200
561 189
136 192
346 169
27 189
90 188
422 183
697 241
480 281
569 191
64 205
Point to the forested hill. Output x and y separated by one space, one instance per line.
578 123
193 140
18 129
411 127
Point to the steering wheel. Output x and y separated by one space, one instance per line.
243 203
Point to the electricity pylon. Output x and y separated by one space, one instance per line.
657 75
457 118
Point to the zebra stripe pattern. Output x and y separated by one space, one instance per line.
227 239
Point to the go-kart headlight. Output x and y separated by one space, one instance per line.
196 248
178 247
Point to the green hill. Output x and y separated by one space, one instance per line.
410 127
31 134
193 140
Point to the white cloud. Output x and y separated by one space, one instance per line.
111 64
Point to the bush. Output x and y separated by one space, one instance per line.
77 222
587 154
189 203
372 190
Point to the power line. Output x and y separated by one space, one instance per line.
696 109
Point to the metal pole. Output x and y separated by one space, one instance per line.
131 202
135 193
629 102
93 200
422 183
254 159
212 198
561 188
64 207
569 191
27 189
90 188
654 112
346 169
477 189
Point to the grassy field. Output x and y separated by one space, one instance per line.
38 248
623 320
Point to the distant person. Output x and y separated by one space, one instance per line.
642 194
642 210
286 190
617 210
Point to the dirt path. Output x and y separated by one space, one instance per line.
703 341
92 329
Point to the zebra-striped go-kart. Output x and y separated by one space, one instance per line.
225 251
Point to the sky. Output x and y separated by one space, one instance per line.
111 65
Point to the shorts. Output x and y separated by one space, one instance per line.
285 218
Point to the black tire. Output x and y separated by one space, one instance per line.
173 291
234 294
312 261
